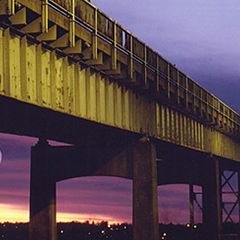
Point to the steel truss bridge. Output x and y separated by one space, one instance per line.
70 73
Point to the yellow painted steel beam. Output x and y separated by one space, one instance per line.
186 92
94 36
33 27
168 82
7 7
100 45
114 47
130 59
12 4
157 74
77 49
44 16
72 25
62 42
24 68
178 88
49 35
19 18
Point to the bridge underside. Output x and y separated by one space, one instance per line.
136 161
30 120
187 165
26 119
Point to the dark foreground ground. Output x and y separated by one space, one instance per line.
104 231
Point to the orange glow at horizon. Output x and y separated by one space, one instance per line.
69 217
15 213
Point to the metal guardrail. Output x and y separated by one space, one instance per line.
168 77
168 81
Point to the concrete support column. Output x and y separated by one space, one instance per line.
212 217
191 204
145 198
42 195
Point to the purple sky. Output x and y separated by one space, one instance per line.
202 38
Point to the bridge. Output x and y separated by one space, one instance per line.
70 73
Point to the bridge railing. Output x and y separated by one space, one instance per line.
169 80
166 80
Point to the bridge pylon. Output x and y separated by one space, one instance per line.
145 196
42 194
212 201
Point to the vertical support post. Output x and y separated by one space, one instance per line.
6 62
11 4
202 102
145 198
42 195
23 63
44 16
193 98
114 47
7 7
72 26
130 65
178 88
157 76
145 67
186 92
94 36
168 83
212 214
191 204
39 73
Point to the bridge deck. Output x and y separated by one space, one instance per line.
72 58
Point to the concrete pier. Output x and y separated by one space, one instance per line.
145 198
42 195
212 201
